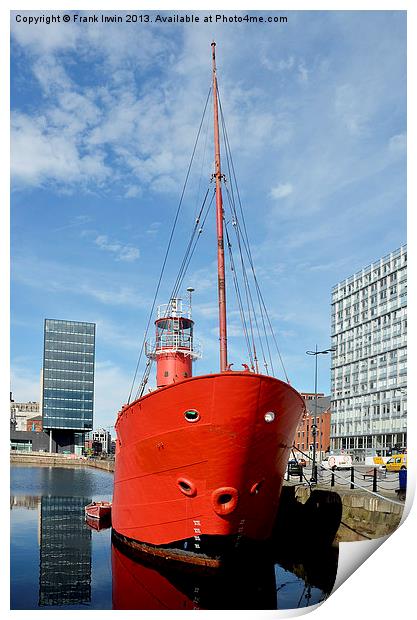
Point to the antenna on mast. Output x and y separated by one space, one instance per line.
190 291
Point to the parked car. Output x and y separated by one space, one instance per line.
397 462
339 461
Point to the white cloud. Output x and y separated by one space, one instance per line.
350 108
278 64
398 143
42 37
133 191
126 253
41 153
146 132
50 74
303 72
281 191
153 228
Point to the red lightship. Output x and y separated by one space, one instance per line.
200 460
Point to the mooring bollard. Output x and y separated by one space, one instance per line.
352 478
288 471
374 483
332 482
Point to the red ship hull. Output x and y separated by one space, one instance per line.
217 476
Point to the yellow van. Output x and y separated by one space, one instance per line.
395 463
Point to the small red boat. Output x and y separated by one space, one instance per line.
98 510
98 524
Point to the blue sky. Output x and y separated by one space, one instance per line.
103 125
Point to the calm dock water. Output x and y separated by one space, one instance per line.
59 561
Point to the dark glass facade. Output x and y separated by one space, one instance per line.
65 552
68 375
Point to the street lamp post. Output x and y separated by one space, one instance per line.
313 478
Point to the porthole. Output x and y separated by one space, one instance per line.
191 415
224 500
187 487
269 417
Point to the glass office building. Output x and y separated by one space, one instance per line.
68 381
369 365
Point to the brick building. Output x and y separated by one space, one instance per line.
303 439
34 424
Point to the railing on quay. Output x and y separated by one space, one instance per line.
332 478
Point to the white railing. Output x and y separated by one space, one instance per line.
173 343
174 309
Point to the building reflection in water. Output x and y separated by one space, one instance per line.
31 502
65 552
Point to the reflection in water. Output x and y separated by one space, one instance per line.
252 582
65 552
31 502
98 524
140 584
58 560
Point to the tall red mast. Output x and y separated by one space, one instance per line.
219 224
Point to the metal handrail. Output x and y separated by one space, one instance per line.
173 344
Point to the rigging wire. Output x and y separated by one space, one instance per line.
244 272
242 239
248 294
190 249
200 231
239 298
177 286
203 162
247 246
168 247
249 298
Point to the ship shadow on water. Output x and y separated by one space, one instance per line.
296 568
304 535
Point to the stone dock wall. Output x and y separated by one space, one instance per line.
363 515
59 460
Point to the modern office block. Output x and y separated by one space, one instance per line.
369 365
68 382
